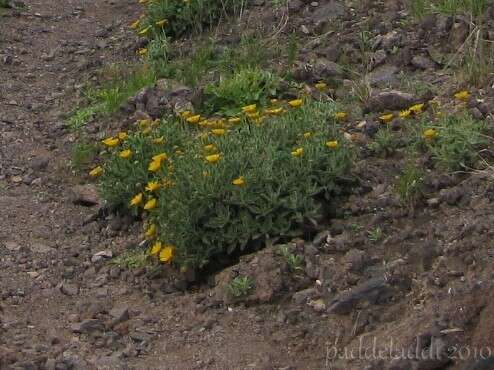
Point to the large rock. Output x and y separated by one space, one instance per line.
390 100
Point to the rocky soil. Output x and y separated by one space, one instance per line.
422 284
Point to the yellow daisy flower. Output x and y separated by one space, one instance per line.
95 172
298 152
150 204
213 158
239 181
136 200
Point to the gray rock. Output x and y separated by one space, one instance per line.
320 238
423 62
100 256
41 248
119 314
88 326
303 296
390 100
452 196
68 289
373 291
85 195
295 5
385 75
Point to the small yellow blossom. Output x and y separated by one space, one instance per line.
136 200
151 204
186 114
274 111
111 141
210 148
166 254
218 132
125 154
135 24
253 115
298 152
239 181
341 116
463 95
123 135
154 166
295 103
213 158
194 119
385 118
151 231
307 135
430 134
156 248
159 140
161 23
333 144
152 186
160 157
234 120
417 108
321 86
405 113
249 108
142 51
95 172
144 31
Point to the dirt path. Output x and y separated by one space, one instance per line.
57 308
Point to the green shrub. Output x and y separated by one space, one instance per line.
189 16
246 86
203 214
241 286
410 184
457 142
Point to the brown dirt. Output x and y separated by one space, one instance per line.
59 310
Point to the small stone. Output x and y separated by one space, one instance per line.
304 29
85 195
68 289
33 274
318 305
88 326
12 246
100 256
423 62
390 100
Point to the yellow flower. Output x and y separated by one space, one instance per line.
152 186
123 136
218 131
159 140
430 134
125 154
151 231
295 103
463 95
142 51
213 158
150 204
166 254
341 116
417 108
274 111
385 118
321 86
239 181
156 248
135 24
307 135
333 144
161 23
154 166
253 115
111 141
185 114
194 119
249 108
234 120
298 152
160 157
210 148
136 200
405 113
96 171
144 31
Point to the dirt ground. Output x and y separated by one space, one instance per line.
427 284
